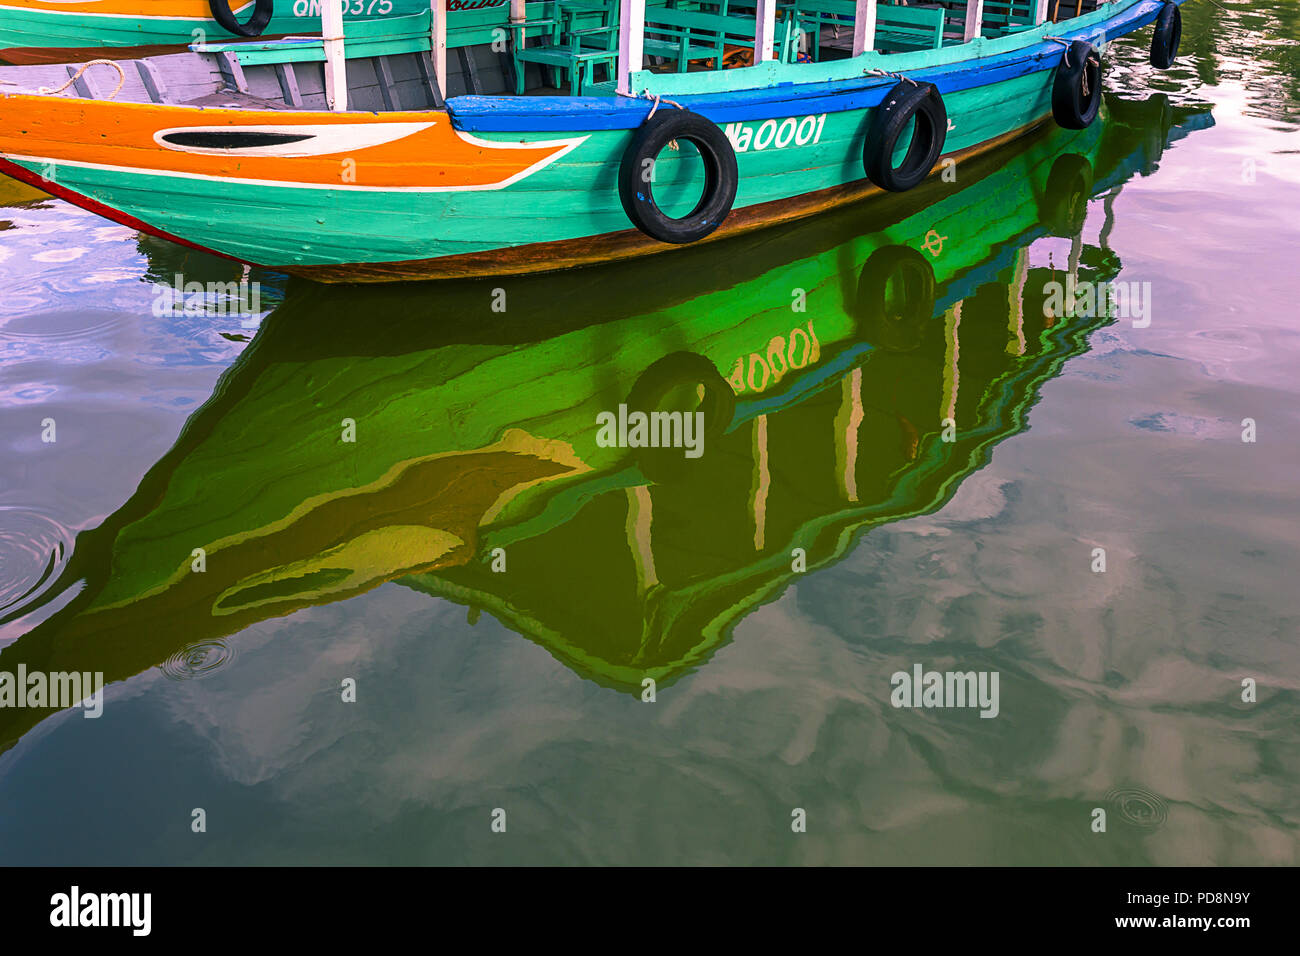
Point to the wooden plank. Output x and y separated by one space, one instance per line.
631 43
438 44
153 81
387 88
974 20
284 72
336 63
507 69
232 72
425 63
864 26
764 30
81 85
469 69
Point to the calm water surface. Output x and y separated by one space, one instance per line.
521 689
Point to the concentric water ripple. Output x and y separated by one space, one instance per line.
1138 807
197 660
33 550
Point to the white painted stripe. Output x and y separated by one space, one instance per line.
326 139
568 147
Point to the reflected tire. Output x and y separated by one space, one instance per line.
681 370
1064 204
896 298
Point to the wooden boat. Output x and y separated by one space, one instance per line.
475 431
66 31
370 155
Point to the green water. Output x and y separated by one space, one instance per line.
910 456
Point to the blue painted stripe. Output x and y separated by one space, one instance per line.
590 113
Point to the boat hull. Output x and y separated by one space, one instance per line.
510 185
69 31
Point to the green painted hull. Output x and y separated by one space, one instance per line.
28 29
337 233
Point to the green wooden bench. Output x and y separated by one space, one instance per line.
697 34
579 35
898 29
384 36
1006 16
576 52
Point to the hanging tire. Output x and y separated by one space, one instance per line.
896 298
905 102
225 17
636 180
1076 91
1165 39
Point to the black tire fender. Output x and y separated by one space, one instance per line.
1076 91
1166 36
225 17
907 100
635 176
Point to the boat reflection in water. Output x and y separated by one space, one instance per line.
825 359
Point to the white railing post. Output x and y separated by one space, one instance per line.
765 31
631 43
438 43
336 62
864 27
1040 12
974 20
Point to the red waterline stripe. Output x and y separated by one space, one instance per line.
25 175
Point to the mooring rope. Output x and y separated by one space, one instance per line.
121 79
1067 44
897 76
657 100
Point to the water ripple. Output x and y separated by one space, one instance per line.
1138 807
33 550
197 660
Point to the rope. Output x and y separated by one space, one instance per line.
897 76
1067 44
121 79
657 100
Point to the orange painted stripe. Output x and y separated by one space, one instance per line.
189 9
123 135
